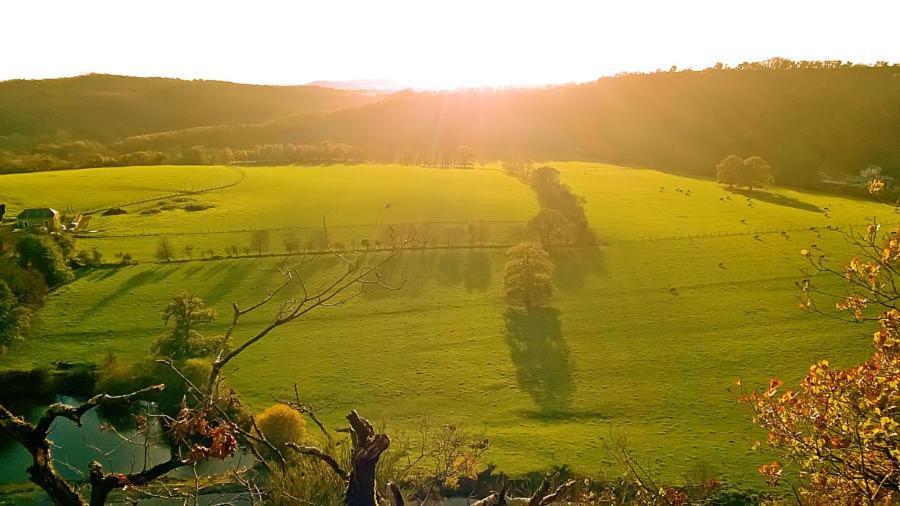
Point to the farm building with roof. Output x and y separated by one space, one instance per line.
44 217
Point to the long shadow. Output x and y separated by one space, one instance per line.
229 276
477 271
413 270
777 199
541 357
144 277
449 270
575 265
194 269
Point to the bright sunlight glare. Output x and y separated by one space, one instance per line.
430 44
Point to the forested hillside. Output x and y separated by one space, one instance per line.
108 107
805 118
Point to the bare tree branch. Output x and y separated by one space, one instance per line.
321 455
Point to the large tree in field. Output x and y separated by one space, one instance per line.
551 228
750 172
165 251
729 169
186 312
756 172
260 241
529 275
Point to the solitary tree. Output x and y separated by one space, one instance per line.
291 243
551 228
186 311
529 275
479 232
545 179
465 156
757 172
260 241
165 252
728 171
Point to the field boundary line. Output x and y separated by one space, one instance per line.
281 229
243 176
759 231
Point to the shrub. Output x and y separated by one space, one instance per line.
282 425
28 285
15 320
114 377
46 257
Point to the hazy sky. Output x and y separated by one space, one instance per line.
424 43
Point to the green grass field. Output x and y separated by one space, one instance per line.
645 336
356 202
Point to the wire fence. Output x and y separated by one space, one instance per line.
493 225
758 231
508 230
178 193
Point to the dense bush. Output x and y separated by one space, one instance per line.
45 256
282 425
28 285
14 318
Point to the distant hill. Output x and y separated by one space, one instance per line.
805 118
370 85
109 107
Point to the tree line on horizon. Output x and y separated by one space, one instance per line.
805 118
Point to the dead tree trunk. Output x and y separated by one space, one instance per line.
367 449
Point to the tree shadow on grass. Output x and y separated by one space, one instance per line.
777 199
541 357
144 277
228 277
410 270
477 271
449 270
193 269
575 265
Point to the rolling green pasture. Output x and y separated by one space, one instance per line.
88 189
645 337
356 201
627 204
